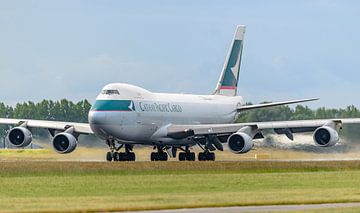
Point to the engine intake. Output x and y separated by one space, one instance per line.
19 136
325 136
64 143
240 142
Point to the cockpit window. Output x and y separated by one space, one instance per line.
110 92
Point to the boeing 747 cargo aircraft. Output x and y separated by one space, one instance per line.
125 115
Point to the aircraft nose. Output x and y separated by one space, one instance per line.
96 117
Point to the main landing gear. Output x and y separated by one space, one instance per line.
206 156
187 155
160 155
115 155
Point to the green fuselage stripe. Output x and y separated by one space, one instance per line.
112 105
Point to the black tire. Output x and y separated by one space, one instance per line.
211 156
190 156
131 156
122 156
116 156
182 156
164 156
201 156
154 156
193 156
109 156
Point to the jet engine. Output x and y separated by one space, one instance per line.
240 142
325 136
64 143
19 136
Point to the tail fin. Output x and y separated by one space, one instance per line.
228 81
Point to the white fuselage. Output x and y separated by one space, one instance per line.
131 114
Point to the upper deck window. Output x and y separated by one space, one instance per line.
110 92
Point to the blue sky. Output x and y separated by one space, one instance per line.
71 49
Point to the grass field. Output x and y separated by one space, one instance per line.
100 186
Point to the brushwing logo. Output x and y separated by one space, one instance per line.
233 67
131 106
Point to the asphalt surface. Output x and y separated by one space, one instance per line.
273 208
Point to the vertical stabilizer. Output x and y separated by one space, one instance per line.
228 81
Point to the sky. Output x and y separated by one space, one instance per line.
72 48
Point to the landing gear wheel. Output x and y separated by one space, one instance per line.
131 156
190 156
154 156
122 156
163 156
182 156
211 156
186 156
109 156
158 156
116 156
201 156
206 156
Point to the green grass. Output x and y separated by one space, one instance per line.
85 186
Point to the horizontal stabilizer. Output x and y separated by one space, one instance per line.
257 106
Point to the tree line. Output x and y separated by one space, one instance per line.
61 110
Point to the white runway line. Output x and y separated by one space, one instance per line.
272 208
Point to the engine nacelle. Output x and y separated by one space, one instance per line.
240 142
325 136
64 143
19 136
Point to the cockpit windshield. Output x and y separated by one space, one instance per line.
110 92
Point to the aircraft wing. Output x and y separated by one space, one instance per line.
280 127
257 106
81 128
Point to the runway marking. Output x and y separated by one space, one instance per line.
271 208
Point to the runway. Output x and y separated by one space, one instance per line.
272 208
